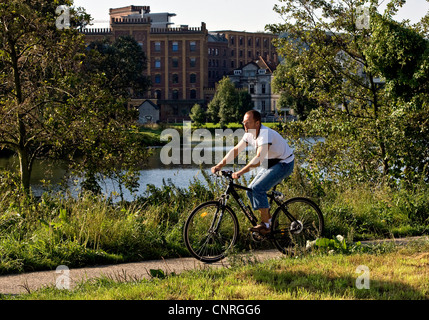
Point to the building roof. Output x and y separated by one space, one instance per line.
156 107
260 63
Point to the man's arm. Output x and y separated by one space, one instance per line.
230 156
261 154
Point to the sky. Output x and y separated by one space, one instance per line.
238 15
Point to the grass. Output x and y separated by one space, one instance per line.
395 273
40 234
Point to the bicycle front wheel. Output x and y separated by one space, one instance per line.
210 231
295 222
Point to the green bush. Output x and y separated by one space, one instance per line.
58 229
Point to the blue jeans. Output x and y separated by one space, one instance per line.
265 180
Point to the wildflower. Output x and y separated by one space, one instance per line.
340 238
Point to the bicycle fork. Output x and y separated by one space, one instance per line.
217 217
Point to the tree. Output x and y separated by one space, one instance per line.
123 62
229 104
198 115
244 104
291 94
48 106
340 64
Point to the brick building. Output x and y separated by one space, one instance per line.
184 63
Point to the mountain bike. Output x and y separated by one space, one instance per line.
212 229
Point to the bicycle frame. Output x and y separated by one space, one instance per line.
230 190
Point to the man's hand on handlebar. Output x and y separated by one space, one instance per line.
235 175
216 170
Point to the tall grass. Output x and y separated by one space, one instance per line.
58 229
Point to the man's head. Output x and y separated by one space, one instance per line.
252 120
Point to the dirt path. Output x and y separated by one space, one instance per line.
22 283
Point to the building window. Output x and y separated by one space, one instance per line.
175 95
265 43
193 78
157 78
193 46
232 40
251 89
175 78
249 42
241 41
157 46
263 88
157 63
175 46
193 94
175 62
158 94
192 62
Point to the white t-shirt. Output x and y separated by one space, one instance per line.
278 149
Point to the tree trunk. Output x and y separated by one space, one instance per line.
25 170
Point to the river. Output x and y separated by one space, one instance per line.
48 175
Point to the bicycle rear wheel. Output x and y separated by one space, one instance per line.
289 234
210 232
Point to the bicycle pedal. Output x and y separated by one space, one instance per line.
256 236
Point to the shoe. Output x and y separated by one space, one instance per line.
261 229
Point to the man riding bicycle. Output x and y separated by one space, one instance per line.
273 154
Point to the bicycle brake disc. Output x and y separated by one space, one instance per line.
296 227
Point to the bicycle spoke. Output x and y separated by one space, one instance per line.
209 233
296 222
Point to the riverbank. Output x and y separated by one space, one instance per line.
92 230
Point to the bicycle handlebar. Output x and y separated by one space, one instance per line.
224 173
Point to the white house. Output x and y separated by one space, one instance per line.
148 112
256 76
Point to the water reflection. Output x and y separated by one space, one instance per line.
48 175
